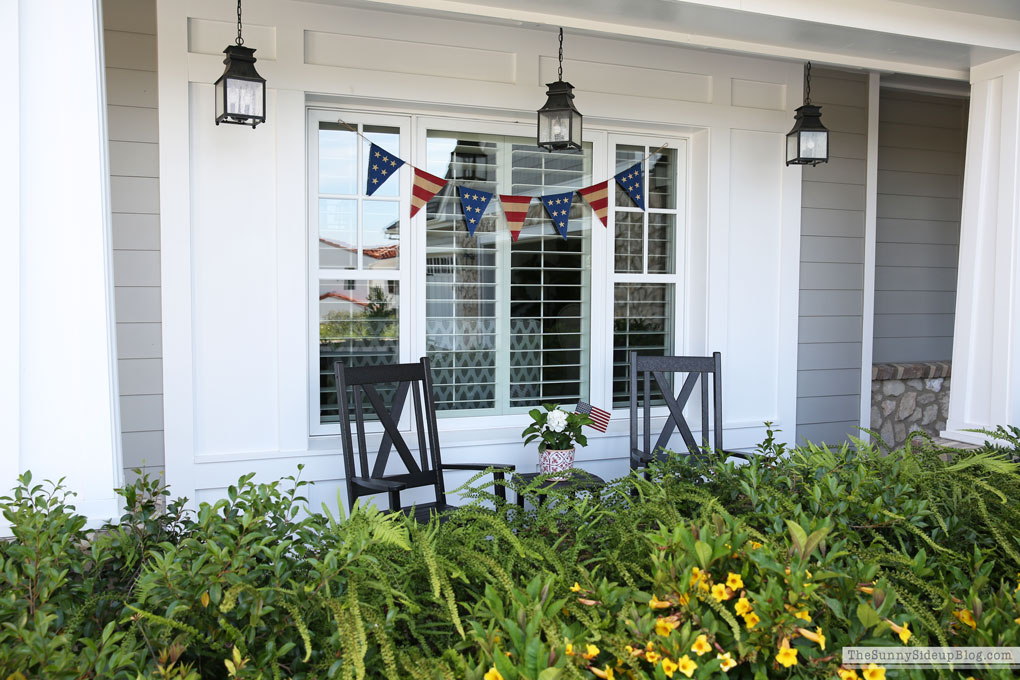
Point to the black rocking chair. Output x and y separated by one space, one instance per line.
428 469
656 368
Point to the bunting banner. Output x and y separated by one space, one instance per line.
516 209
558 207
631 179
474 203
597 196
381 166
425 187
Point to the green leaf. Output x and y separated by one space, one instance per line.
867 615
798 535
704 551
814 539
550 674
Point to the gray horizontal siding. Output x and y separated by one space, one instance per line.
920 182
832 265
129 39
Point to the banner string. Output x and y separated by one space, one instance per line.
341 121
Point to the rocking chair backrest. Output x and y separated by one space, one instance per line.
646 370
363 382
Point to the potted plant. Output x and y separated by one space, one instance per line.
557 431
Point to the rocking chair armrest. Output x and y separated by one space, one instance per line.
497 467
640 456
738 454
380 485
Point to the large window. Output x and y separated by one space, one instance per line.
507 325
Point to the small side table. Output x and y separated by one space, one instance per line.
577 480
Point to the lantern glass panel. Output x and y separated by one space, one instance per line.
792 146
220 99
575 128
814 144
244 97
555 126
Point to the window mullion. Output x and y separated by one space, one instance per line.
503 277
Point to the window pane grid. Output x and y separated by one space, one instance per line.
541 282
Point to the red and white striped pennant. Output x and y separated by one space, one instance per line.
516 209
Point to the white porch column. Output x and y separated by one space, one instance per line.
985 388
57 348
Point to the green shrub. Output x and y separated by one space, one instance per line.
757 570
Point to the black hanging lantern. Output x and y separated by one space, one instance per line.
240 91
559 121
808 142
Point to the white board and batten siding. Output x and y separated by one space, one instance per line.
239 269
922 140
832 265
129 37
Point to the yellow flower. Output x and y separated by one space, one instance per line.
867 590
751 620
696 575
734 581
684 600
576 588
803 615
687 665
743 606
630 650
569 649
652 657
493 674
701 645
720 593
649 647
656 603
703 586
607 674
816 636
786 657
903 631
847 674
727 661
669 667
592 652
874 672
665 626
966 617
755 545
1017 620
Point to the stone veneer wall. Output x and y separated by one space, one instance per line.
907 397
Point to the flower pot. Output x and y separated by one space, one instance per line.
555 460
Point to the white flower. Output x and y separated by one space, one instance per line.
557 420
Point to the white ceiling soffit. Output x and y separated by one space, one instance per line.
917 37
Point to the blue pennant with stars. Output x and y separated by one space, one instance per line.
558 207
381 166
631 179
474 203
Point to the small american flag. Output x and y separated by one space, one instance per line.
600 418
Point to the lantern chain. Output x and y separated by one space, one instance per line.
560 76
807 83
240 40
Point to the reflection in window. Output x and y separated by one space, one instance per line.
642 323
358 325
507 324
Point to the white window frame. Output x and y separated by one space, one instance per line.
679 278
411 274
316 274
466 420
